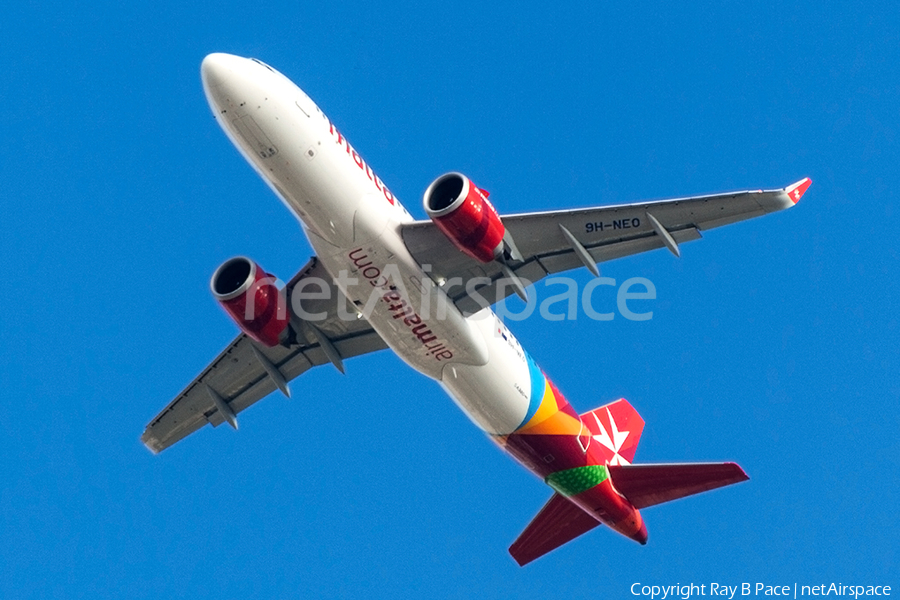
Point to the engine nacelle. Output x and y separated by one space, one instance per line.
249 296
462 211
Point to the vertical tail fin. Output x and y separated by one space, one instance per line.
616 430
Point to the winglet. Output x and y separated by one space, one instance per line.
795 191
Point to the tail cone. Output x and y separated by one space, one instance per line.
640 535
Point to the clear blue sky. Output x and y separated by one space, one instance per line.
773 342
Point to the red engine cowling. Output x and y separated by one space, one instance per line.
461 210
249 296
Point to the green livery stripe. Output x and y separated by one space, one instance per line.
574 481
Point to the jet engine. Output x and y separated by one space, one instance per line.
249 296
462 211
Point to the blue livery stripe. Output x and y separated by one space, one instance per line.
538 385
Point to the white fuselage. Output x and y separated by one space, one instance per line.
353 222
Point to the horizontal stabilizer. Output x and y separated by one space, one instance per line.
648 485
559 522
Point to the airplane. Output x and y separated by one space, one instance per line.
381 279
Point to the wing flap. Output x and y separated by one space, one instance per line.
558 523
649 485
566 259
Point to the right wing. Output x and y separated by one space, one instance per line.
596 234
239 376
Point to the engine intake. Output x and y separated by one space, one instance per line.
249 296
461 210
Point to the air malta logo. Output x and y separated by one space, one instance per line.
797 190
615 431
612 439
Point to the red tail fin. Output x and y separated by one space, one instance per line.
616 430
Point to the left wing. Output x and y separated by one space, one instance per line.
246 372
555 241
